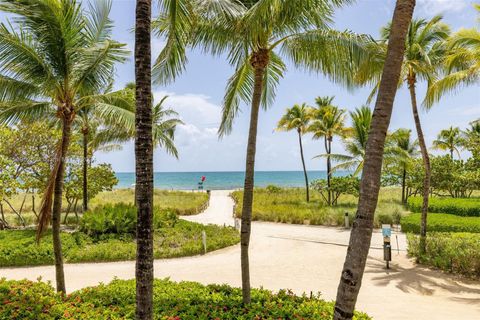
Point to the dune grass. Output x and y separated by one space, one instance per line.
288 205
183 202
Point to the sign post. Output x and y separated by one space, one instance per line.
387 248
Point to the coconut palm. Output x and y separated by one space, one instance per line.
355 142
471 140
50 57
450 140
423 57
462 64
361 235
327 122
144 161
297 118
401 151
255 35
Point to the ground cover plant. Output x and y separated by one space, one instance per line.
29 300
441 222
109 235
288 205
457 206
451 252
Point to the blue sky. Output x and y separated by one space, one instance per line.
197 96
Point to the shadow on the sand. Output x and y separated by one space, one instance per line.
422 280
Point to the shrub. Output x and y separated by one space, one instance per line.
28 300
273 188
468 207
120 219
441 222
451 252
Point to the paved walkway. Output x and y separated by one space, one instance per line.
303 258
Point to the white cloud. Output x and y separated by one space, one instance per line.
473 111
441 6
200 116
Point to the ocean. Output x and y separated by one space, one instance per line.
223 180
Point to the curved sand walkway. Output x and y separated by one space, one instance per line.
303 258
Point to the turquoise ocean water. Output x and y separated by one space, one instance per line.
222 180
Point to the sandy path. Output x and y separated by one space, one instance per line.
303 258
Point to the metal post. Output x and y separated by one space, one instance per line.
347 221
204 241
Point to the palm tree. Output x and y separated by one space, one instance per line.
361 234
297 118
327 122
424 54
144 161
449 139
402 151
462 64
255 35
471 140
355 141
49 59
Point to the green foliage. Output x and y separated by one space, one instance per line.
99 178
273 188
121 219
29 300
289 206
456 178
451 252
467 207
18 248
440 222
338 186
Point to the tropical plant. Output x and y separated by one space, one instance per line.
450 140
355 141
423 57
471 140
327 122
462 64
297 118
399 154
144 161
255 35
361 234
49 58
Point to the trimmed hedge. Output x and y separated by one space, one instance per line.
467 207
29 300
451 252
441 222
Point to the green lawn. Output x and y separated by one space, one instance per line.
289 206
18 247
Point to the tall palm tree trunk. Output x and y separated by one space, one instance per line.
329 171
144 162
57 204
303 163
361 234
259 62
85 169
426 163
404 178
